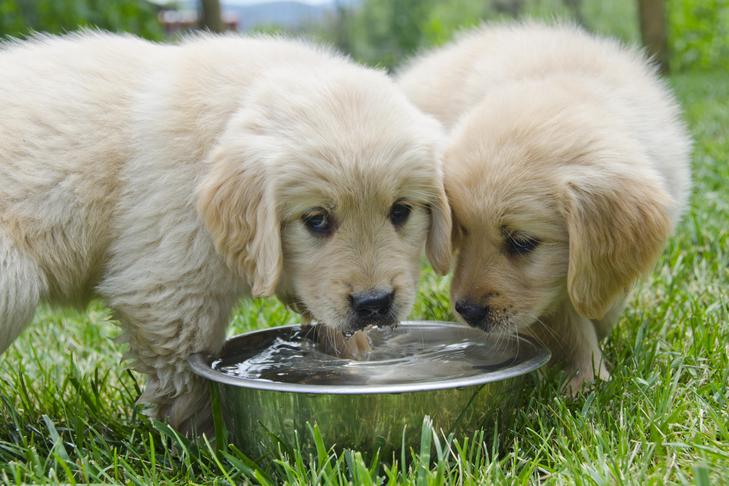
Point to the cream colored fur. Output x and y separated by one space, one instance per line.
570 139
172 180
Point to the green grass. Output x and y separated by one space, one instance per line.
67 401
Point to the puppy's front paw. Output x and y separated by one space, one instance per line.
582 377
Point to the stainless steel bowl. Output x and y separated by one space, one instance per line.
260 415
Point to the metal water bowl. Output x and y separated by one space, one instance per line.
262 415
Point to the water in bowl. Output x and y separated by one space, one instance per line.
405 354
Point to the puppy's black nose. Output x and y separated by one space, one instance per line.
474 314
373 304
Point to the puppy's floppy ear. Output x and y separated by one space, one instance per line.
236 203
438 246
618 224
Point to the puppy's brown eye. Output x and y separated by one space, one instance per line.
519 243
318 223
399 213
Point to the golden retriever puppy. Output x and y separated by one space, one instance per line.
566 170
171 180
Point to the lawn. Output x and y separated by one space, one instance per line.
67 409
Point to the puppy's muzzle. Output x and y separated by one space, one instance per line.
476 315
373 307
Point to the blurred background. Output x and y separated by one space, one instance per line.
681 34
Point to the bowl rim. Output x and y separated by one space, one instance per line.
199 362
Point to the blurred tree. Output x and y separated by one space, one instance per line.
211 17
652 15
694 33
512 8
699 34
20 18
379 32
341 26
575 7
447 18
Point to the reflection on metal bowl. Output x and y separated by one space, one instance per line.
382 414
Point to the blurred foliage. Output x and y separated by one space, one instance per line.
384 32
20 18
390 29
275 30
699 34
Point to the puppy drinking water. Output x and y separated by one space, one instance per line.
567 169
173 179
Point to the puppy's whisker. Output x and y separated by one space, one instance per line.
510 337
333 341
548 330
501 342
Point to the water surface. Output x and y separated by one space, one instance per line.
406 354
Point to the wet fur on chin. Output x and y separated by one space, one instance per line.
172 181
570 139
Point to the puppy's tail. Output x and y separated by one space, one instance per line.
22 286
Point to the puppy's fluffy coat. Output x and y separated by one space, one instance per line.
566 170
172 180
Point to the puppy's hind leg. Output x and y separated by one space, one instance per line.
22 286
